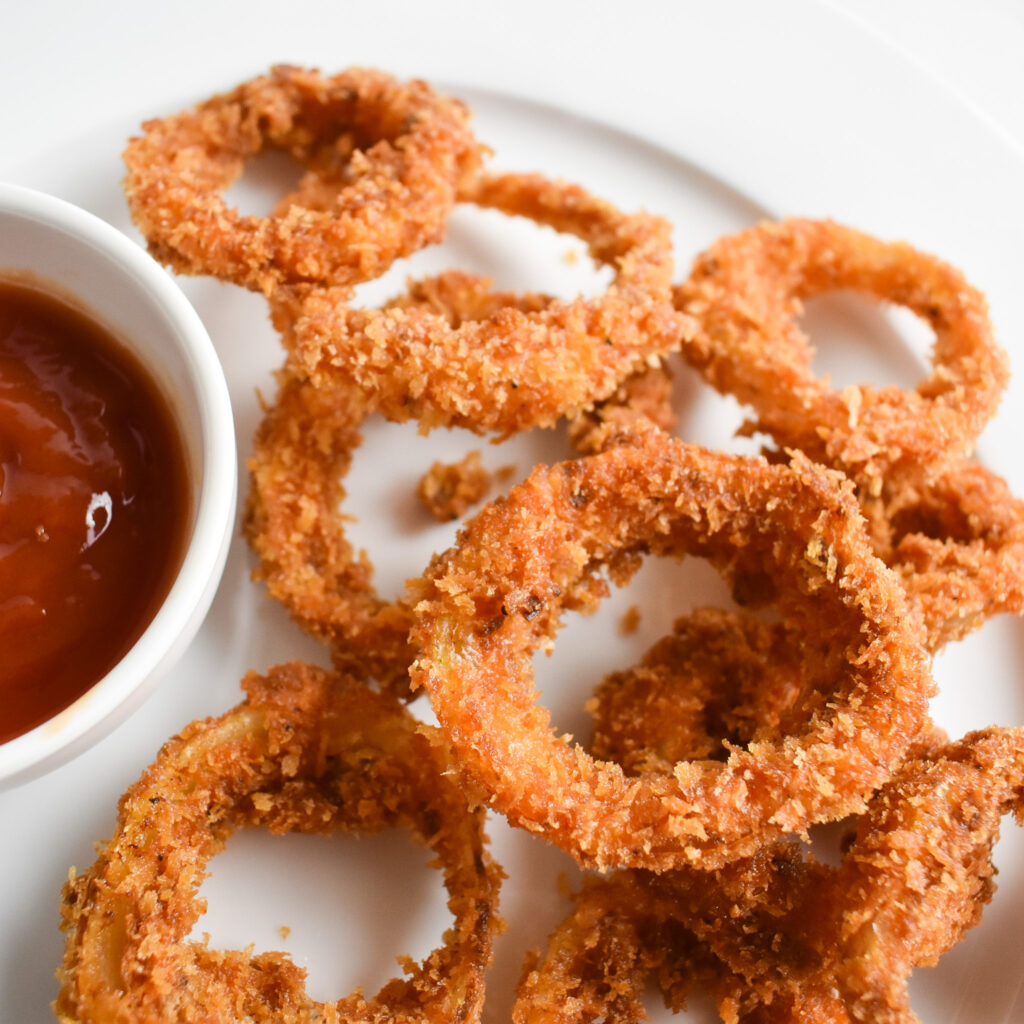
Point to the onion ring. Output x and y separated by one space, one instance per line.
503 370
486 605
404 152
599 957
307 751
301 455
294 524
745 293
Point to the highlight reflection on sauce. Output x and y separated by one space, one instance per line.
93 505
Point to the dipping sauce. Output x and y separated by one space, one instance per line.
94 504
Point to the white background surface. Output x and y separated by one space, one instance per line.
794 104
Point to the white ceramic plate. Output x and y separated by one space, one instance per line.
349 907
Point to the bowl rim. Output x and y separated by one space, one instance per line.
113 697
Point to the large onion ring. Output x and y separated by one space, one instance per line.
506 369
403 152
746 292
307 751
485 606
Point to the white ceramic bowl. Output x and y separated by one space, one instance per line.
127 292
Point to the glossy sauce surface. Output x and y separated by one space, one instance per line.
94 504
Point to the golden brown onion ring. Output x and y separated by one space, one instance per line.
746 292
388 159
295 524
503 369
295 521
597 961
487 605
307 751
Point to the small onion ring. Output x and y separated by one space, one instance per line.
404 152
485 606
508 369
307 751
746 291
598 959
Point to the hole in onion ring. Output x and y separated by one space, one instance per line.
828 842
517 254
371 896
857 341
590 646
268 177
963 702
388 520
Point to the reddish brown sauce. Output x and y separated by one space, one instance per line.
93 504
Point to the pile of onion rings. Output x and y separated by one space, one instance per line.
863 542
781 936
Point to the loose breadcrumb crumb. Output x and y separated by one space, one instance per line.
448 490
630 621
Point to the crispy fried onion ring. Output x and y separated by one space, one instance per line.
958 543
307 751
783 937
503 369
746 292
294 522
486 605
385 161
